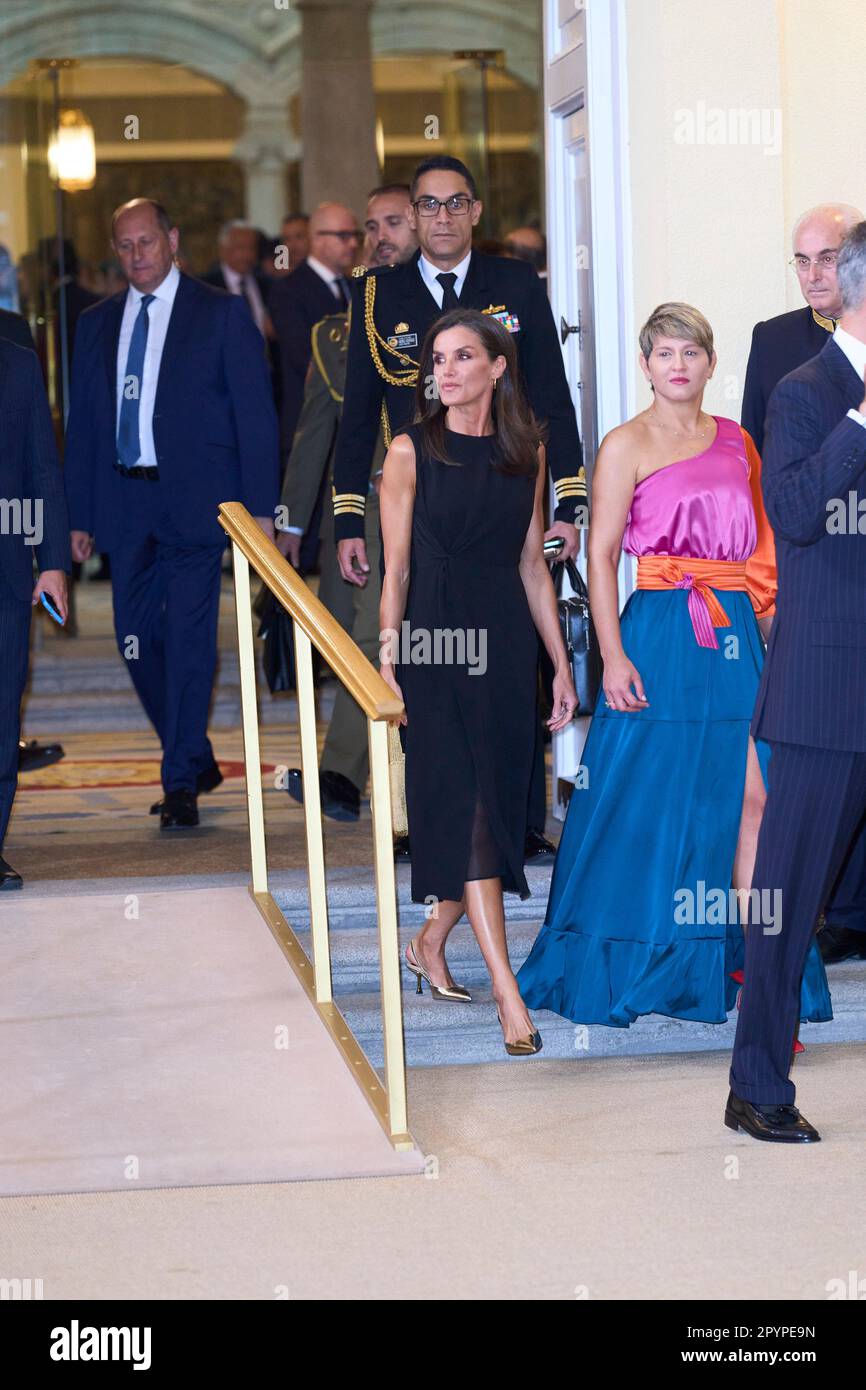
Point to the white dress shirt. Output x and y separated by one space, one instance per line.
158 315
855 351
246 285
429 271
330 279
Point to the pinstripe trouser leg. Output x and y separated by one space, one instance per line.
815 801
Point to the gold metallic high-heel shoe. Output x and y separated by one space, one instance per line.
455 992
524 1047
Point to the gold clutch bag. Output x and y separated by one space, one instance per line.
397 773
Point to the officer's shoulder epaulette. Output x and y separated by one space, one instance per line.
360 270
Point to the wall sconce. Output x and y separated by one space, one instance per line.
72 152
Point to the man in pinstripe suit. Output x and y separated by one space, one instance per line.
811 704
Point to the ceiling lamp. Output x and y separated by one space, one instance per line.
72 152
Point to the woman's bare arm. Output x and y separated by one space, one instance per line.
535 574
613 485
396 506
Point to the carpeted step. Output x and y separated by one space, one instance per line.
440 1033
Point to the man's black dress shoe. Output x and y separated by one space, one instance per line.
178 811
841 943
206 781
340 798
538 850
402 848
780 1124
9 879
32 755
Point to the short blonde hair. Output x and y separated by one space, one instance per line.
676 320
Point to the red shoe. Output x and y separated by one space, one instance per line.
798 1047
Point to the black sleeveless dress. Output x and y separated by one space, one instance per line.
470 683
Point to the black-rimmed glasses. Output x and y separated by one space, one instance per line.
457 205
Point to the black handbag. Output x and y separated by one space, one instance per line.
278 656
578 634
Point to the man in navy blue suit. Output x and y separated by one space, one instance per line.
780 345
811 704
32 518
171 415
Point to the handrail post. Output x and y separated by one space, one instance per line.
250 715
389 941
313 816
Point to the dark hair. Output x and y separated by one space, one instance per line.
162 216
389 188
516 430
442 161
295 217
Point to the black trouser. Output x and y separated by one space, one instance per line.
14 659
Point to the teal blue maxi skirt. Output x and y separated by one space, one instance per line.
640 917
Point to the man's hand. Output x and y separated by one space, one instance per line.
267 525
349 551
52 583
569 534
289 544
82 546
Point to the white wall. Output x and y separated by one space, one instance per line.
711 222
824 86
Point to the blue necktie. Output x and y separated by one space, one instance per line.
128 442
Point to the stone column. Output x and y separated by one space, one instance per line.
264 150
338 113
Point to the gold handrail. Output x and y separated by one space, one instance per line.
315 626
345 659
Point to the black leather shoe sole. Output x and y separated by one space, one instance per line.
180 814
769 1136
334 807
10 883
206 781
43 755
537 849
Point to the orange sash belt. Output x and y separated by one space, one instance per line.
699 577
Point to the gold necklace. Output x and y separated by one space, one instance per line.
680 433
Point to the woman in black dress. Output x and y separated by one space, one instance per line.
466 586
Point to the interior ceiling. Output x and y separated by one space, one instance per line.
131 77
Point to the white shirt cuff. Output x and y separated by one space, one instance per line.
292 530
856 415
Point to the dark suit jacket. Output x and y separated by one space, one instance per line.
401 296
296 303
779 346
216 278
813 689
30 474
15 329
214 423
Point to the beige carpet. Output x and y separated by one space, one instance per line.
161 1039
553 1180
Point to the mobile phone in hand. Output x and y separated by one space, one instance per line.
48 605
553 547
